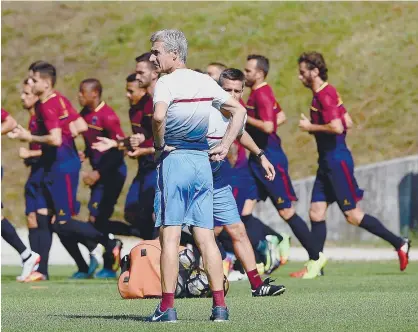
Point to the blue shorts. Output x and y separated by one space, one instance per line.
184 193
105 193
335 182
280 190
34 191
61 189
225 211
244 186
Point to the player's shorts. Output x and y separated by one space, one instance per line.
105 193
244 186
335 182
225 211
280 190
34 191
61 188
184 193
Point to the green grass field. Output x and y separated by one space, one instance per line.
351 297
370 47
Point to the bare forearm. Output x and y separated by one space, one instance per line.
234 127
325 128
158 129
8 125
46 139
266 127
35 153
248 143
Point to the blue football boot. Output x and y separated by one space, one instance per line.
106 274
219 314
170 315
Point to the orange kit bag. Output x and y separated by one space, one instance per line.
140 277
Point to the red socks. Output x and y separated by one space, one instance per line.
218 298
254 279
167 301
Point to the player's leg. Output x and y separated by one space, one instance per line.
145 222
282 195
322 195
132 201
30 259
112 188
348 194
317 214
226 214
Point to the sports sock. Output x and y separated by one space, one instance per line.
218 298
375 227
301 231
254 279
167 301
8 232
70 244
319 233
33 239
45 241
26 255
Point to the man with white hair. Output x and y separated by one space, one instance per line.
183 100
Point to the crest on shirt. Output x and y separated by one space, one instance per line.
94 120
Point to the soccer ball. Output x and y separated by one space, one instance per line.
187 259
198 284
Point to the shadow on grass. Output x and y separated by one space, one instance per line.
112 317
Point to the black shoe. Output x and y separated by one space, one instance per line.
219 314
266 289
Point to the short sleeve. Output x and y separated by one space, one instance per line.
219 95
162 93
329 107
4 115
264 104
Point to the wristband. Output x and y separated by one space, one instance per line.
260 154
159 148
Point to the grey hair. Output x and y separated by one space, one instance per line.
173 40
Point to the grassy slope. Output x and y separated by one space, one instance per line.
351 297
370 49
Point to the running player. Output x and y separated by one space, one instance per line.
30 259
335 181
225 210
59 157
36 205
108 174
264 117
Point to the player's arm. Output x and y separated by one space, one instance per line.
280 118
265 107
78 126
8 124
248 143
25 153
54 138
348 120
235 125
333 123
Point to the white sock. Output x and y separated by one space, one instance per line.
26 254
